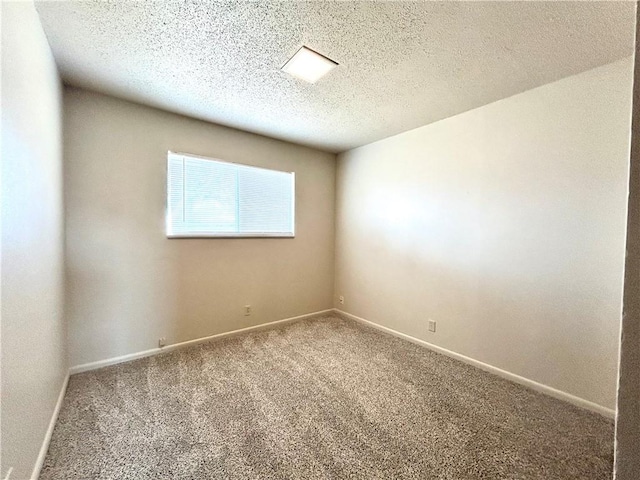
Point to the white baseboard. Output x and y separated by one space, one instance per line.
552 392
154 351
47 437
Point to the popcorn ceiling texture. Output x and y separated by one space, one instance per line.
320 398
402 64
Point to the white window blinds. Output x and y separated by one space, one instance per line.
211 198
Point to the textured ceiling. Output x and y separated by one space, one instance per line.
402 65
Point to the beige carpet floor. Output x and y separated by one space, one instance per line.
318 399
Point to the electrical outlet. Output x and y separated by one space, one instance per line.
341 300
432 326
162 342
247 310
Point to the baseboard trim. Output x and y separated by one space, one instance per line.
539 387
47 437
154 351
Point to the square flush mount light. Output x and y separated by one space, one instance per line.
309 65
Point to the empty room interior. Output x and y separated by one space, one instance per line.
320 240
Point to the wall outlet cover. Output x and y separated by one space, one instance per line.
432 326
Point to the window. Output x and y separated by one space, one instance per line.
211 198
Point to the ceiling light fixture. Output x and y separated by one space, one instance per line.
308 65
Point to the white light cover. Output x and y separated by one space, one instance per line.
308 65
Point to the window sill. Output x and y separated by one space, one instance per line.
229 235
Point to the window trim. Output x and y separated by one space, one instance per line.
223 235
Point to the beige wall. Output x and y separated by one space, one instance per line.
34 358
128 285
505 225
627 463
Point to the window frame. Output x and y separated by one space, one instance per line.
227 235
